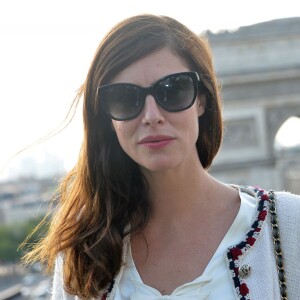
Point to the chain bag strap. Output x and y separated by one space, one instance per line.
277 246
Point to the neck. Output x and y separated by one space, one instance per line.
178 197
176 193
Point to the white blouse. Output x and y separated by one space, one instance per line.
214 283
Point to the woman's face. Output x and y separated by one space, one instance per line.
156 139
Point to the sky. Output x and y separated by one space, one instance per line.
47 47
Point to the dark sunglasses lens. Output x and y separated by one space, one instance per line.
176 93
121 101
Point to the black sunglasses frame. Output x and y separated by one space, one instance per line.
151 90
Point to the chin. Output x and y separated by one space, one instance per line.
159 167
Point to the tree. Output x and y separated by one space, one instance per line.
12 236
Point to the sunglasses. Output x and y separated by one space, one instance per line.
173 93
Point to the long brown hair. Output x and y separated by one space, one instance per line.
106 190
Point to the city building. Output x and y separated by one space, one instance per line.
259 71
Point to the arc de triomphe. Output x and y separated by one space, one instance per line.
258 67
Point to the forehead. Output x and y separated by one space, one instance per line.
152 67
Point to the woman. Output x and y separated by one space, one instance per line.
139 216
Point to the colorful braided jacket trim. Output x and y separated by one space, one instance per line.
236 253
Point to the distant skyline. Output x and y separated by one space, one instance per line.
47 46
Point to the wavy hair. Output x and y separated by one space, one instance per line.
106 191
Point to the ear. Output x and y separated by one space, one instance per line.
201 103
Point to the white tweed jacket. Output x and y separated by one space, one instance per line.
255 253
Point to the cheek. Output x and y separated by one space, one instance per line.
119 129
123 132
201 105
192 126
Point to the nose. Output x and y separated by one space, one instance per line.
152 113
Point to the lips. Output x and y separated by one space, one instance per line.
157 141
